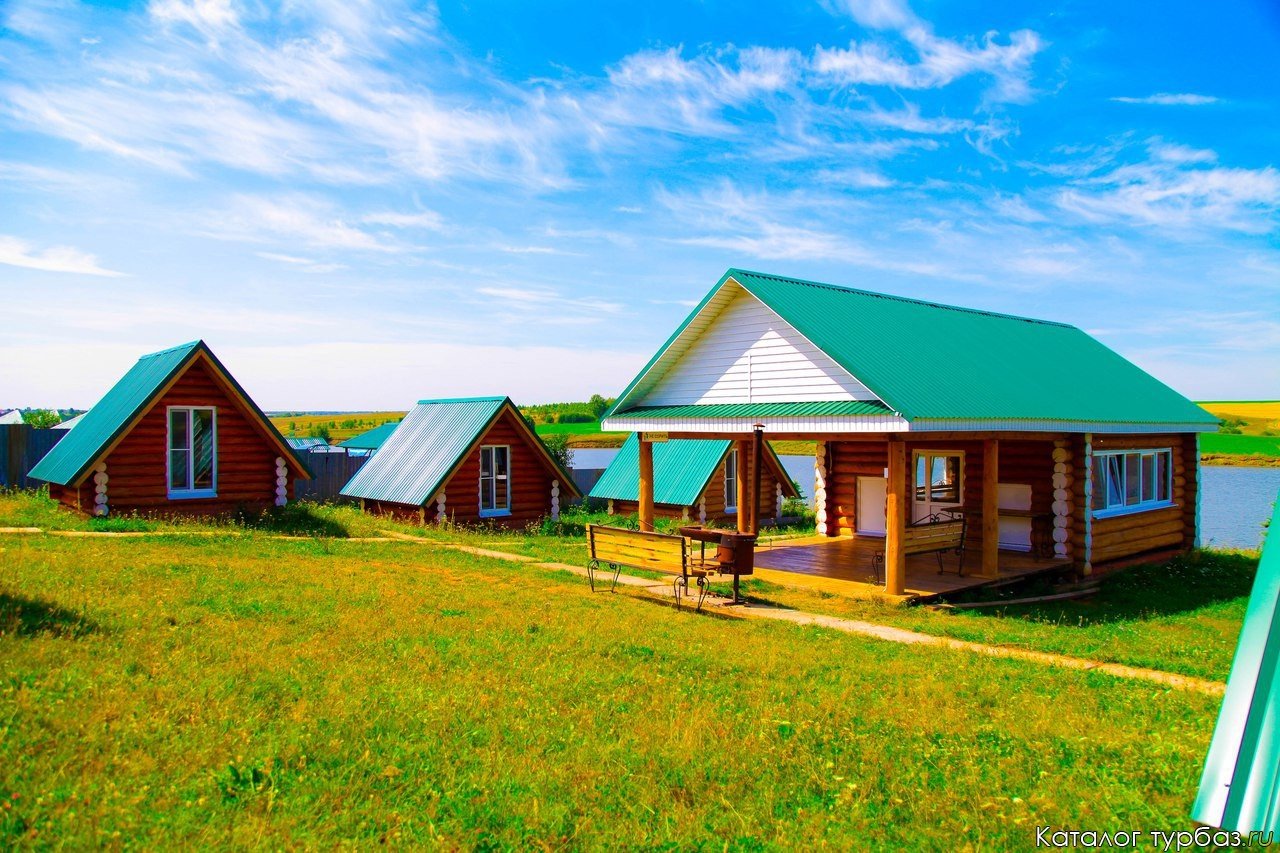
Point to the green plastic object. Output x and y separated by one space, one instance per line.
1240 787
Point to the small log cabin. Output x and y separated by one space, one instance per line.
177 435
1043 439
463 461
695 480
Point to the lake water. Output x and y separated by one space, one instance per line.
1235 503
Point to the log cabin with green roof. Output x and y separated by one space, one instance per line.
695 480
463 461
1054 451
176 435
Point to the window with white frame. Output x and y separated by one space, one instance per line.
1132 480
193 453
731 482
495 480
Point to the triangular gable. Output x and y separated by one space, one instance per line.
424 450
735 349
128 401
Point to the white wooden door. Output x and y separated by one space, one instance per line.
871 506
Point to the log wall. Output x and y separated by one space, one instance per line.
1122 536
1022 461
530 482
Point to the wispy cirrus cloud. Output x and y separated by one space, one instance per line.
938 61
1176 187
16 252
1170 99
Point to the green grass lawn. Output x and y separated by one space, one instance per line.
247 691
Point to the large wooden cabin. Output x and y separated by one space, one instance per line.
463 461
177 435
1043 439
697 480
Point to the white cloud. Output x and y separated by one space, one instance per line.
1167 99
427 220
294 218
306 264
1179 192
938 61
15 252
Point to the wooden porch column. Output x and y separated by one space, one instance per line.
757 448
744 454
895 522
646 483
990 508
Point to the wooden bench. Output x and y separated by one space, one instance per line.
936 534
616 547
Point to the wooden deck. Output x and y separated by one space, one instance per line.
842 566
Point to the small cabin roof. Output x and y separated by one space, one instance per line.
935 363
110 419
682 470
372 439
425 448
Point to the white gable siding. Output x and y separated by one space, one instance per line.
748 354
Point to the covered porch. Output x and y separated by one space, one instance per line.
843 566
1013 492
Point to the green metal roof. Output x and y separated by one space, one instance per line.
1240 788
132 395
423 450
371 440
682 469
763 410
930 361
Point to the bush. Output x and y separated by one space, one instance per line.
558 446
41 418
575 418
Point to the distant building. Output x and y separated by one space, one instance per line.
368 443
697 480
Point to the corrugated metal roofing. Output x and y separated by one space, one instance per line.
681 470
305 443
1240 788
931 361
421 453
763 410
371 440
99 427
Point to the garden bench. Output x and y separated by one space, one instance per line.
616 547
936 534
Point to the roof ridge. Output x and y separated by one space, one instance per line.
877 295
496 399
167 350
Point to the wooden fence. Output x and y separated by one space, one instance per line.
329 473
21 447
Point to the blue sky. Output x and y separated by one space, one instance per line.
358 205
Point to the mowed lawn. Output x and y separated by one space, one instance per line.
244 690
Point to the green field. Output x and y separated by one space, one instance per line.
1240 445
244 690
